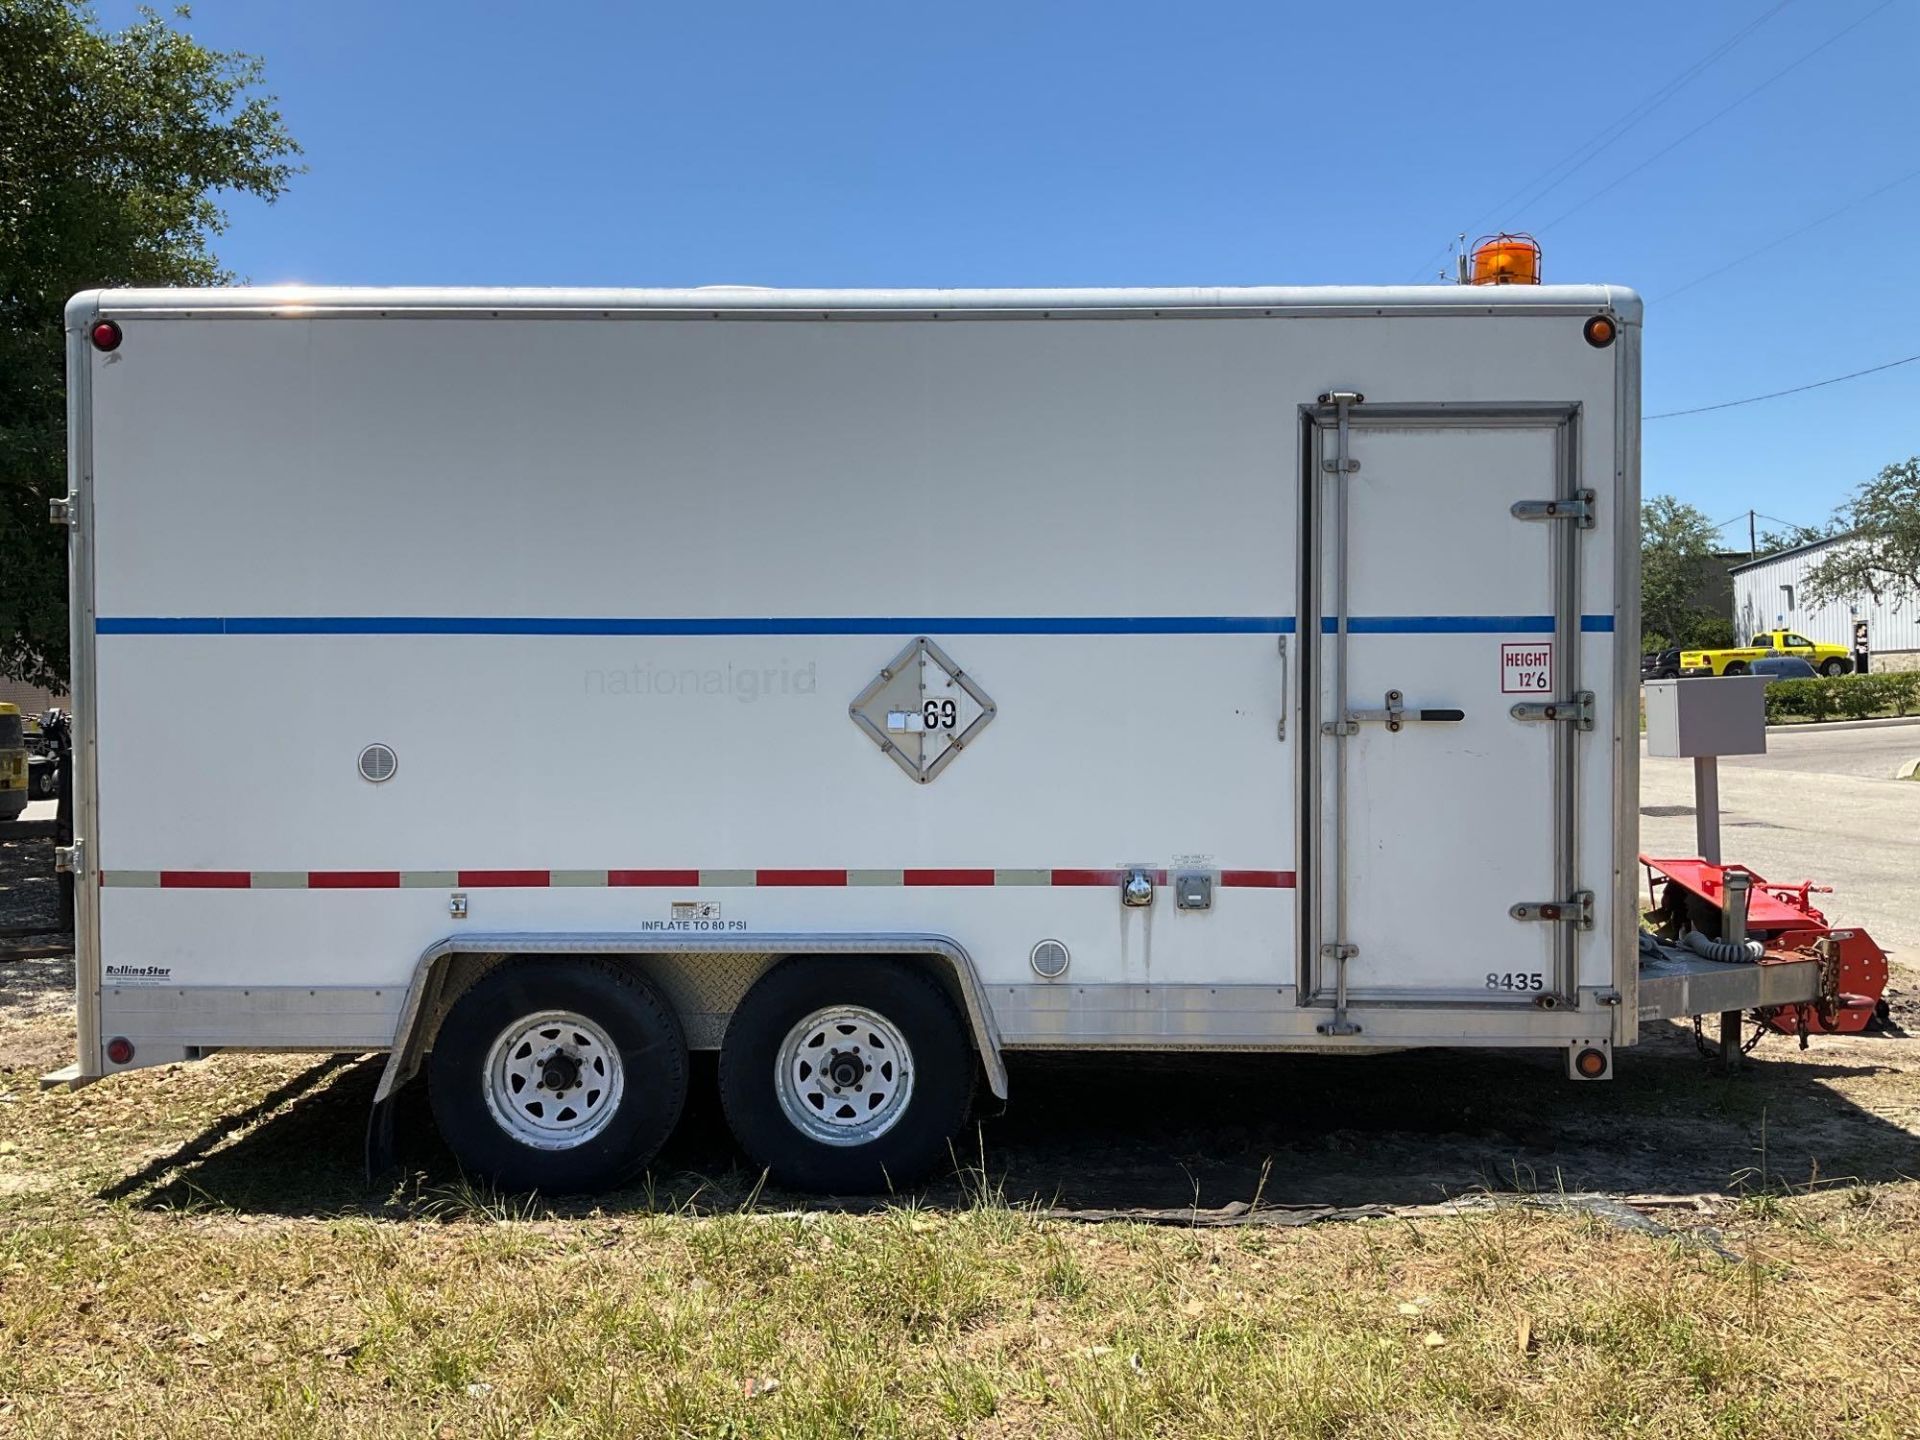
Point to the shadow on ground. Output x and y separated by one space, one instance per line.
1171 1132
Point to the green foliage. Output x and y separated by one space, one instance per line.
1883 516
1852 697
1676 546
112 149
1772 542
1710 632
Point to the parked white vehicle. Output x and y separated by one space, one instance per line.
924 675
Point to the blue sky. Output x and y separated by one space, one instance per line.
845 142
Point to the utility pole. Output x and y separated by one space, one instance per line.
1753 545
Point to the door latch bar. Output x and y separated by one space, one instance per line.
1580 509
1577 912
1393 716
1577 711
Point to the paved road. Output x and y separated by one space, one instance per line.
1821 806
1872 754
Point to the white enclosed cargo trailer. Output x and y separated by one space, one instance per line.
862 684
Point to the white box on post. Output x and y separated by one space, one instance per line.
1724 715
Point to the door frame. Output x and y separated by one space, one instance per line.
1321 422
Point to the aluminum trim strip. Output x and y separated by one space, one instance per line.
752 302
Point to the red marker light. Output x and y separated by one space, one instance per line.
120 1050
106 335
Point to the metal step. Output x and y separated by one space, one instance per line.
67 1077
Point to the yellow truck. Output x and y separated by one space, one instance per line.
13 762
1827 659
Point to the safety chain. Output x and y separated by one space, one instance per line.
1747 1046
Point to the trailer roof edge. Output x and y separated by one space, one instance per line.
294 301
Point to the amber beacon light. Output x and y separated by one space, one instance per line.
1506 260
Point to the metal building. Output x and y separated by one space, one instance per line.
1769 594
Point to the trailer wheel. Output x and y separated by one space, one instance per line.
563 1076
846 1075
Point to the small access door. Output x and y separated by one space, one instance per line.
1441 622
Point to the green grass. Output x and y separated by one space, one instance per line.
984 1321
175 1261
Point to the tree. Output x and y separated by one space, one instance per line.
1883 518
1676 545
113 147
1772 542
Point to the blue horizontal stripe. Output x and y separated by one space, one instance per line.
773 625
829 625
1460 624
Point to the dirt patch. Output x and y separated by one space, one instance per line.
29 889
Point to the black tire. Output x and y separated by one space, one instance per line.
940 1062
1836 666
1735 667
1670 674
642 1029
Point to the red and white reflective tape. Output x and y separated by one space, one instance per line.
644 879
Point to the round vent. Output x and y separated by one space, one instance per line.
1049 959
378 763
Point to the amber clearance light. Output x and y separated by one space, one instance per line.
1600 331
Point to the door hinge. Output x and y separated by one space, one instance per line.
1577 912
60 510
70 859
1578 710
1579 509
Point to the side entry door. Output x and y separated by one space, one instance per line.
1441 622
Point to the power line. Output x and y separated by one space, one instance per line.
1776 394
1724 110
1790 235
1790 524
1528 195
1582 154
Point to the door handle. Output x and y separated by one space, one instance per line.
1393 716
1281 728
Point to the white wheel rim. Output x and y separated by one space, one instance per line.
844 1075
553 1080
